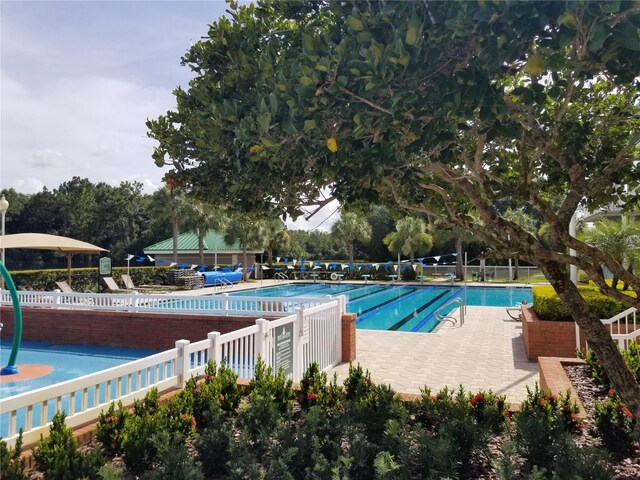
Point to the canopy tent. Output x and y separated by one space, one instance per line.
42 241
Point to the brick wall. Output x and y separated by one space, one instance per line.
157 331
547 338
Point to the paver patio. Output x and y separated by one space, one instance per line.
486 352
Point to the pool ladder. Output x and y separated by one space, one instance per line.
222 284
448 318
280 277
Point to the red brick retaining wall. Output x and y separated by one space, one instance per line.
547 338
348 337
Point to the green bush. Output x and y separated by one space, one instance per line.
277 387
548 305
139 450
226 382
214 444
173 459
110 426
542 428
615 424
83 279
58 457
11 465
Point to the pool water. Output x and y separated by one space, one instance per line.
401 308
68 361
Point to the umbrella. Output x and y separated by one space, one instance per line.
42 241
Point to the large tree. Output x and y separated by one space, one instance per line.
246 229
445 108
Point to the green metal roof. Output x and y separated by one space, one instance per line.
188 242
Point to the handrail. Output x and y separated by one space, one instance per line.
280 277
447 318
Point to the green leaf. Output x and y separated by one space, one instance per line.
363 37
321 67
355 24
413 32
264 121
370 86
307 43
627 35
306 81
568 20
599 35
612 6
273 103
309 125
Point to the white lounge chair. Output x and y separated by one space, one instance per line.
64 287
112 286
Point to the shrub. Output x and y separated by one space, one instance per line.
58 457
173 459
138 448
358 383
542 427
277 387
259 417
110 471
109 430
149 405
213 445
11 465
595 367
313 387
615 424
226 382
632 358
548 305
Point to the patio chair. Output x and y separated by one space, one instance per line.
112 286
65 287
515 313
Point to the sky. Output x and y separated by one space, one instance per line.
79 79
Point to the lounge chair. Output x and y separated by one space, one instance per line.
129 285
64 287
112 286
515 313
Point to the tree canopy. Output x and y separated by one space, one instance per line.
446 108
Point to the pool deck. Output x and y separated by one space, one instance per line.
487 352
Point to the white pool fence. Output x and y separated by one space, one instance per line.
292 342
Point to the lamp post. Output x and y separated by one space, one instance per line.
4 206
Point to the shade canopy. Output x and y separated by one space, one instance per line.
42 241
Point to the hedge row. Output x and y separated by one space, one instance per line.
548 305
84 279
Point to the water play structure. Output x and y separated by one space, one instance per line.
11 368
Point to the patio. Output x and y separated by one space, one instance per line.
486 352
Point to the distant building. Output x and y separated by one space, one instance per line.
214 247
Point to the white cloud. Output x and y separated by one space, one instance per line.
28 185
322 221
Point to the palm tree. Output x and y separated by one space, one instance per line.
203 217
247 230
618 238
275 236
350 228
176 207
459 236
410 238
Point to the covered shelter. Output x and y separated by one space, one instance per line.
42 241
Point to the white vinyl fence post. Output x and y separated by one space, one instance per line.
183 362
225 303
56 298
213 353
297 346
262 341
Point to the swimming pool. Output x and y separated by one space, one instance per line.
404 308
68 361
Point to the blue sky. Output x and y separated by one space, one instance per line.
78 80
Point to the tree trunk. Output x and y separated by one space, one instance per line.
245 267
597 335
174 225
351 253
459 269
201 245
270 256
515 268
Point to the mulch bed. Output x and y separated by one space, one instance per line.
589 392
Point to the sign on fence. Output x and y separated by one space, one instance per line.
105 266
284 348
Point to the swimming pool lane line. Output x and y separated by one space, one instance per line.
420 309
430 317
386 304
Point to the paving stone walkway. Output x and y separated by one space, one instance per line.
486 352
